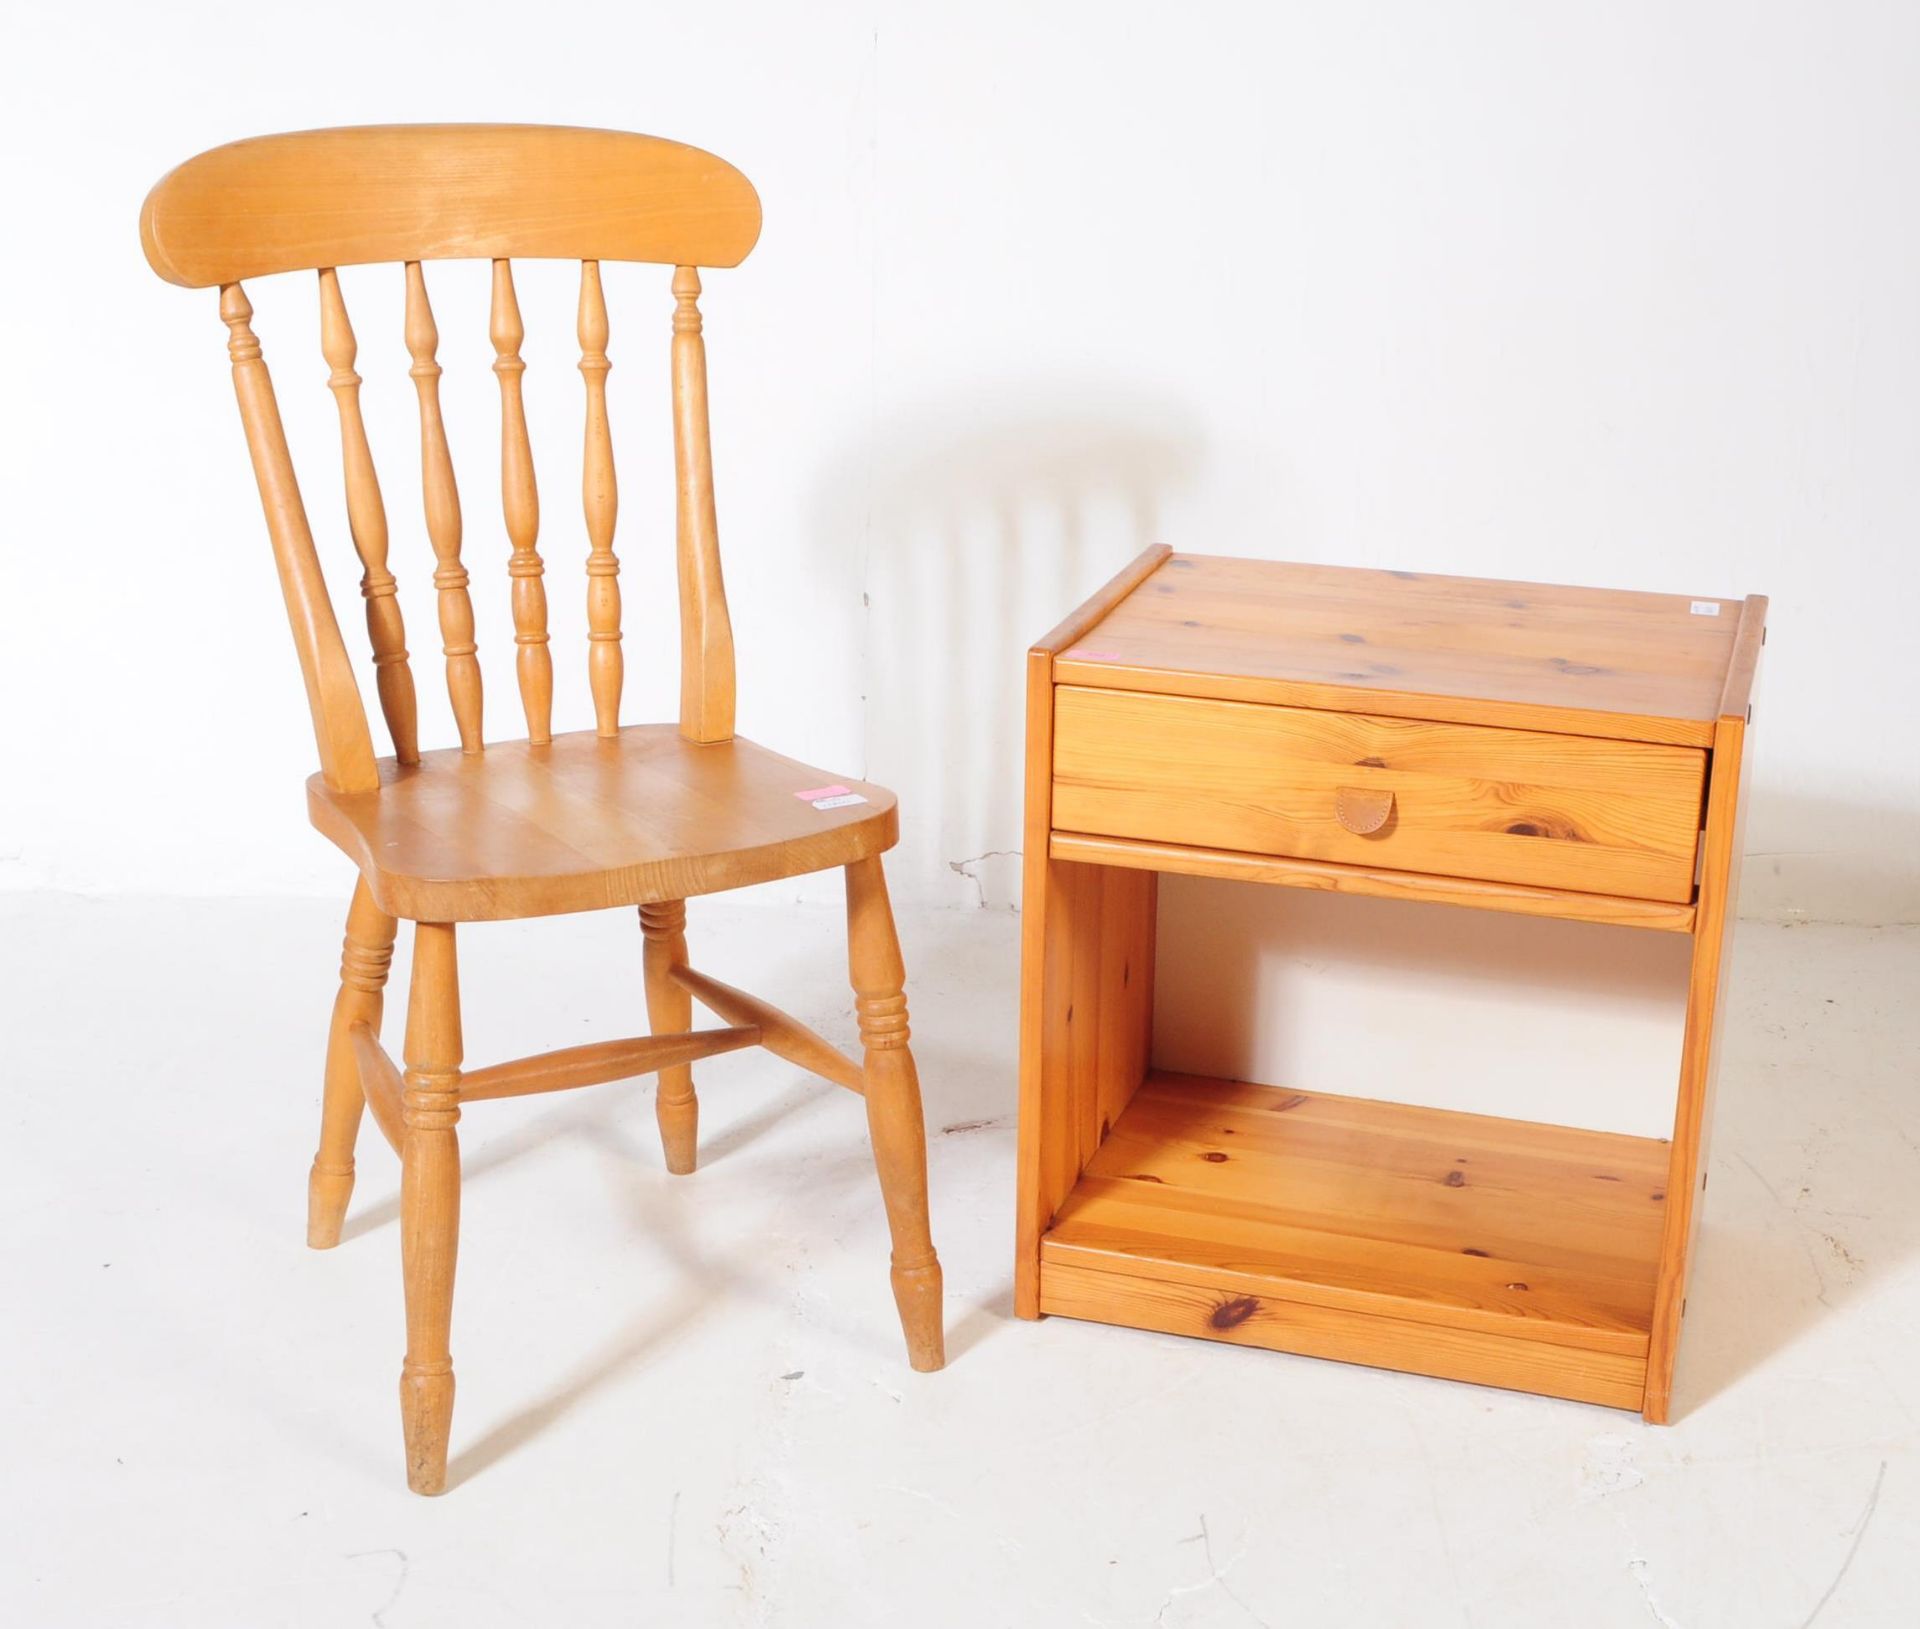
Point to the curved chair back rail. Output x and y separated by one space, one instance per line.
402 192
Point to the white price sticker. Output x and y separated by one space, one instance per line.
830 797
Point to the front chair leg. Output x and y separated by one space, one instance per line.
670 1012
893 1108
364 960
430 1202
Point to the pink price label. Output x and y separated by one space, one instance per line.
819 792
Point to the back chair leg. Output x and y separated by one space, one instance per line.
893 1109
430 1202
364 960
670 1012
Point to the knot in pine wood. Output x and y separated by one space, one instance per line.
1231 1314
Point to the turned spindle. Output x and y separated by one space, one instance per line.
339 721
430 1202
670 1010
894 1117
443 517
706 633
520 499
365 957
367 521
601 498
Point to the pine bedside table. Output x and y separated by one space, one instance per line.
1511 747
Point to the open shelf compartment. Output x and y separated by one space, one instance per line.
1427 1240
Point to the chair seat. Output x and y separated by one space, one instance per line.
586 822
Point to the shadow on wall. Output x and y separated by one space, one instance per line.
982 522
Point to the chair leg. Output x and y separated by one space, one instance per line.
364 960
670 1012
893 1109
430 1202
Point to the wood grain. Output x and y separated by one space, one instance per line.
1140 1301
586 823
1417 1239
333 699
442 499
1743 667
1532 1231
706 630
1074 627
894 1120
1332 877
520 502
380 1084
1502 746
367 520
1559 811
601 499
367 193
1700 1045
365 958
646 816
1048 1136
780 1033
430 1204
600 1062
1040 1111
1096 1020
1642 667
676 1105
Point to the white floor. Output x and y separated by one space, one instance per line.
684 1402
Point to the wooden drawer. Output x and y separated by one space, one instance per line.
1557 811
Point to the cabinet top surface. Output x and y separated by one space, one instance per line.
1602 661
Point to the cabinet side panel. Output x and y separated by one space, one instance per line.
1047 1146
1086 992
1706 1008
1038 1122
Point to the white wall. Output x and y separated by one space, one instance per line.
1619 294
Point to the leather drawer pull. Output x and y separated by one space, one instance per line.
1362 813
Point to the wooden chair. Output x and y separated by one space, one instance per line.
644 815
